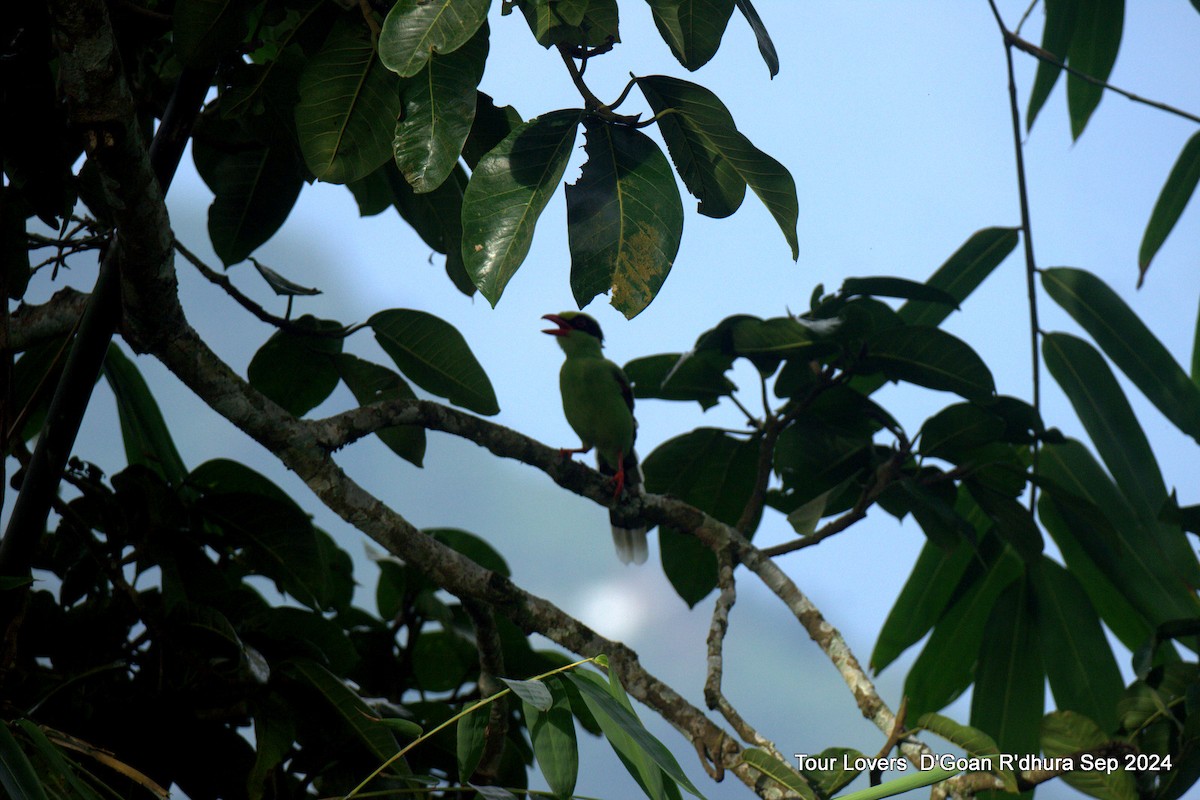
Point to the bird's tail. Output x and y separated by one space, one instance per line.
629 533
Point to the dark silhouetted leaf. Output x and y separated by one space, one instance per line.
294 369
507 192
624 219
1174 197
143 430
692 30
434 355
371 383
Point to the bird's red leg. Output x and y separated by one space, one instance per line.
563 452
619 478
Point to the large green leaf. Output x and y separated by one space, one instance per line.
715 160
1093 51
254 190
16 773
1112 427
716 473
623 729
554 745
143 430
1010 679
692 28
624 218
780 772
576 23
945 667
278 541
205 30
1056 37
922 600
928 357
439 109
1092 523
348 107
962 273
434 355
1126 340
958 429
972 740
1174 197
371 383
1066 733
507 192
681 376
294 368
337 702
1079 661
415 30
1013 522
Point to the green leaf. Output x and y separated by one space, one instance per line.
298 630
63 777
489 128
766 47
1010 679
434 355
1112 427
776 770
534 693
223 476
349 104
507 192
1079 661
714 159
624 730
1174 197
470 738
1065 733
204 30
439 110
473 547
278 541
274 733
1093 51
554 745
829 782
945 667
928 357
962 273
715 472
443 661
1126 340
294 369
1056 38
576 23
371 383
898 287
1013 522
16 773
416 29
956 430
826 444
143 430
692 28
254 188
974 741
338 702
1101 542
624 218
921 602
681 376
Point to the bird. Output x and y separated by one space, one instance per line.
598 403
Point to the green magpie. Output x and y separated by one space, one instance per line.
598 403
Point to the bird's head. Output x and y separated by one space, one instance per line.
576 332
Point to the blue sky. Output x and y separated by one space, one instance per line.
893 119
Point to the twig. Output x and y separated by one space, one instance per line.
1010 40
1032 49
491 665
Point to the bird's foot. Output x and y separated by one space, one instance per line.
567 452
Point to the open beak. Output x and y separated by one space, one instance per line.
563 328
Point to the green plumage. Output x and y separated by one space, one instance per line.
598 403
